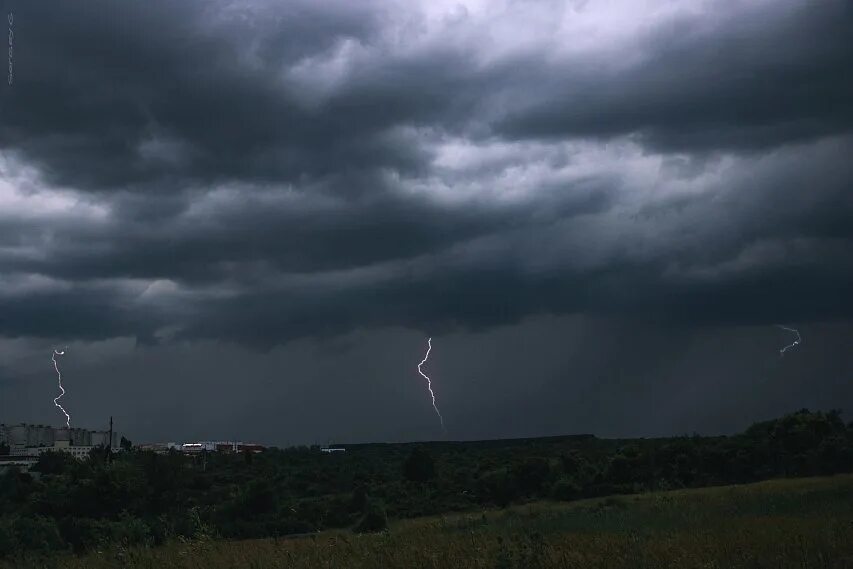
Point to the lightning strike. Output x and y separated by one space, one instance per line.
59 378
429 383
794 343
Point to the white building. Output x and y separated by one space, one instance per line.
77 451
22 463
33 440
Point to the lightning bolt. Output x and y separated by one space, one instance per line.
429 383
59 377
794 343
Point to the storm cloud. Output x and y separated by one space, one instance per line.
258 175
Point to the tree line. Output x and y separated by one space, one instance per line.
143 498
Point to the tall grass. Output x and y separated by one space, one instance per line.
781 524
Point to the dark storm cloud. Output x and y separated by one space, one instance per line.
113 94
243 216
87 313
478 300
744 81
268 171
282 234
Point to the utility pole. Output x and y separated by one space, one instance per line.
110 443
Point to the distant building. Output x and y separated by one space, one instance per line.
22 463
330 450
77 451
153 447
33 440
224 447
192 448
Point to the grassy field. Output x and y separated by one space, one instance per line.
781 523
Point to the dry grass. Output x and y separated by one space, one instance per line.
784 523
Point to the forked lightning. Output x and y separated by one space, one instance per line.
59 377
794 343
429 382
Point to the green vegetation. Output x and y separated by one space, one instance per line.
806 523
141 499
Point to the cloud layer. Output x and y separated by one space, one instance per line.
260 173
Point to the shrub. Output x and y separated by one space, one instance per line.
7 536
374 519
498 486
531 475
566 489
84 534
51 462
358 500
130 531
37 534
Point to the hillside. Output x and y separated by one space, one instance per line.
782 523
141 498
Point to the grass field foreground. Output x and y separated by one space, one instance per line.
780 523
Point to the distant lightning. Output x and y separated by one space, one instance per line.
429 383
59 377
794 343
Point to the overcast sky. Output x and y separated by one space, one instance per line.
245 218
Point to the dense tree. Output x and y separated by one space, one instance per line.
532 475
54 463
258 497
420 466
142 497
566 489
359 499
